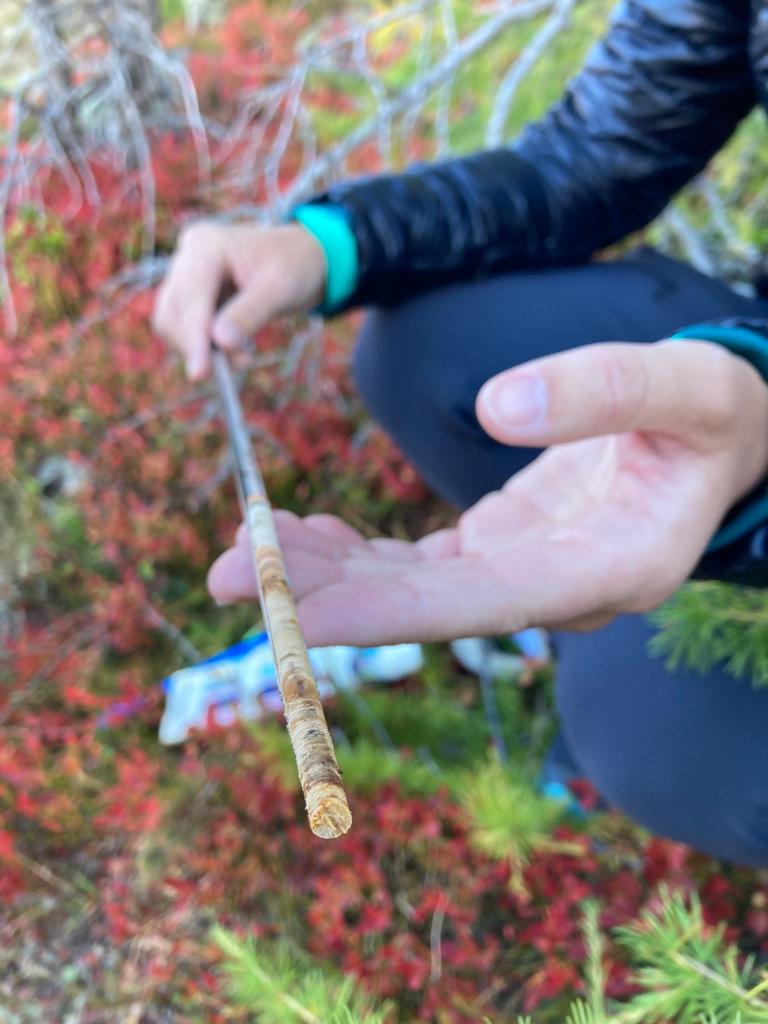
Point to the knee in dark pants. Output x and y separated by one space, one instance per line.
663 795
419 380
677 752
423 401
375 369
402 379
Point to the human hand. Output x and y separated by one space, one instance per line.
650 445
274 271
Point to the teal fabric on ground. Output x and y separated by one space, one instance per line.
754 348
330 226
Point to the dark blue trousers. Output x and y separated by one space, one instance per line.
686 755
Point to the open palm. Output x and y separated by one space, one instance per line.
649 446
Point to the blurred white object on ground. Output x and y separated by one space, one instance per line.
480 654
240 683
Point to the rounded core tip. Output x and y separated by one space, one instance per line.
331 818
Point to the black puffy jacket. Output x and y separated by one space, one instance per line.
656 99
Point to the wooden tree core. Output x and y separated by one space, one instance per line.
319 772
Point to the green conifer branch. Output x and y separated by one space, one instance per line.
580 1013
281 985
509 820
709 624
594 972
688 973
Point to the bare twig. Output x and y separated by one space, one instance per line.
522 67
436 938
74 104
691 241
158 621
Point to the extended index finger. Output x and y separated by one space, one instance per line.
186 302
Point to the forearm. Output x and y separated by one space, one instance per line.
652 104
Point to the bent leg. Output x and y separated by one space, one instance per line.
682 753
420 365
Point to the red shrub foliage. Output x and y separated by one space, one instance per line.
404 902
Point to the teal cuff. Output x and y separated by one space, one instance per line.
330 226
754 348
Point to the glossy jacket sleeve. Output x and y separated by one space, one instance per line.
657 97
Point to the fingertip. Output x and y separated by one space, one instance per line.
197 369
197 358
512 404
215 581
286 522
482 410
440 544
228 334
232 578
335 529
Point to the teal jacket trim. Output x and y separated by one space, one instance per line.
754 348
330 226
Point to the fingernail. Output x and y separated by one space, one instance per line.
229 334
517 401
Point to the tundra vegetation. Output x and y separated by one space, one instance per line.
145 884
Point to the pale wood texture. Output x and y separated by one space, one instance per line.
319 773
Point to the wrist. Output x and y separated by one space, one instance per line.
746 342
749 452
303 265
743 467
330 227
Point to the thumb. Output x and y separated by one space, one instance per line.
243 316
684 389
